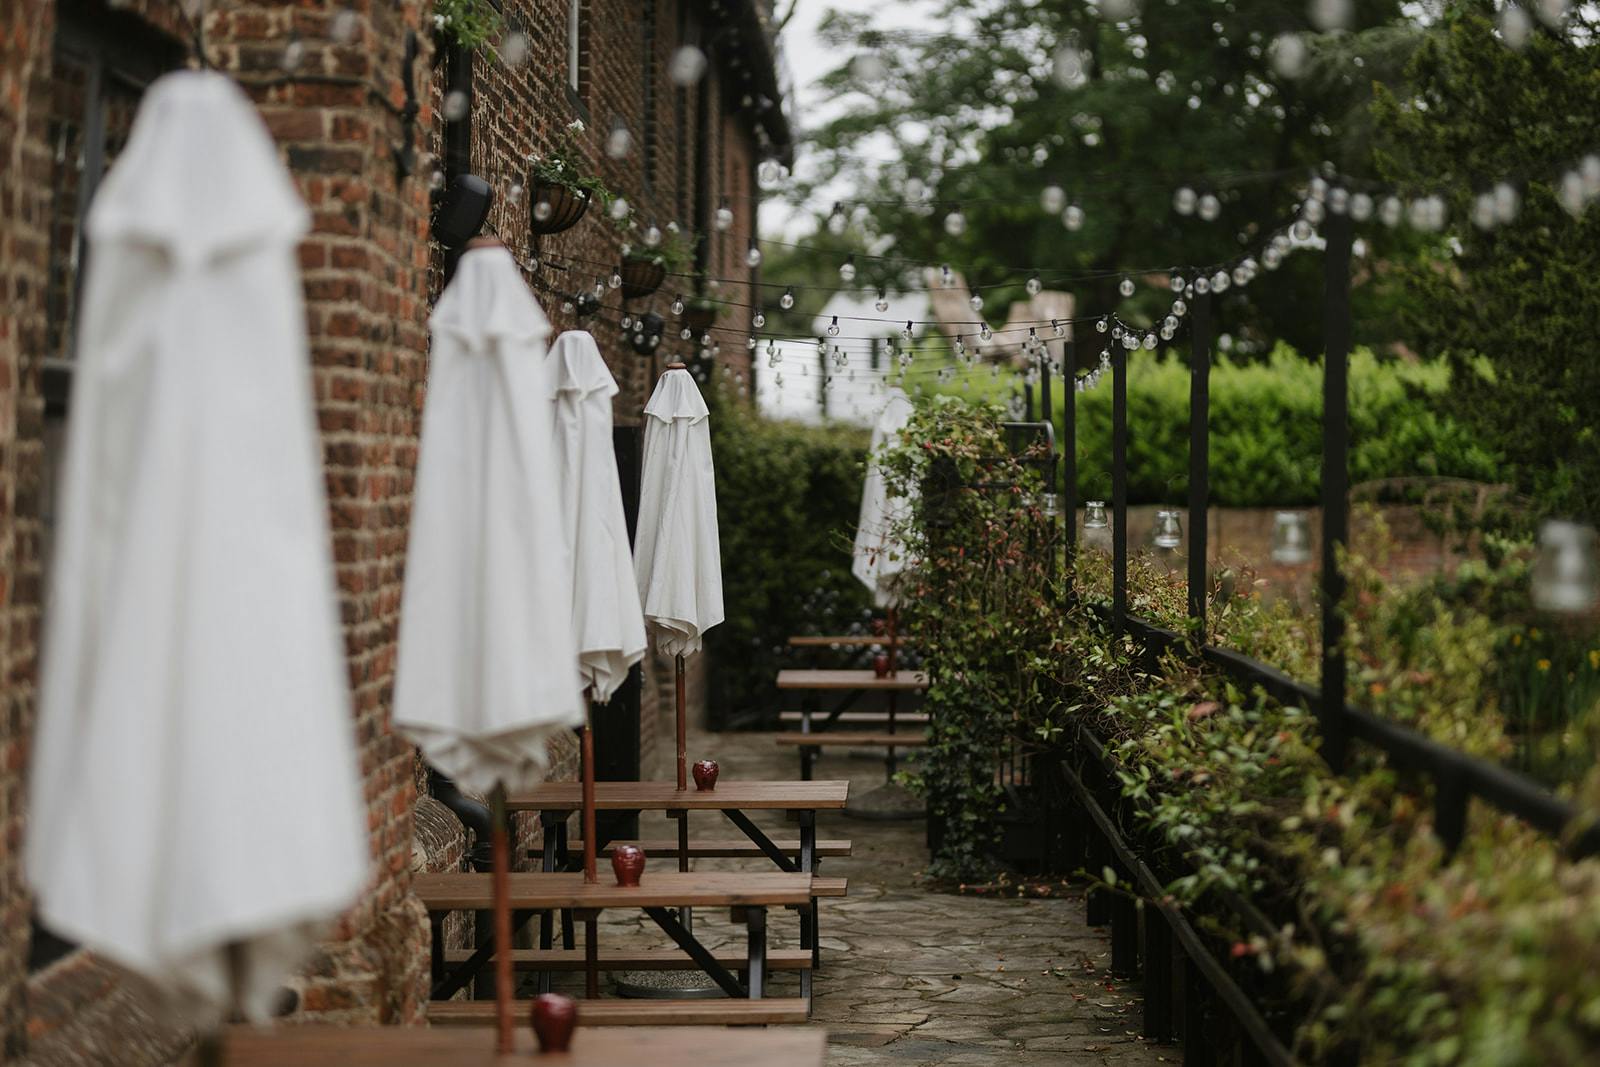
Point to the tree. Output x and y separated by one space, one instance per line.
1019 95
1516 307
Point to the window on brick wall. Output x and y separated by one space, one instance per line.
103 61
578 48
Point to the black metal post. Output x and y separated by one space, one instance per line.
1119 486
1027 402
1069 445
1335 482
1199 457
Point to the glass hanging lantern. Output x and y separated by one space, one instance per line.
1291 538
1566 573
1096 525
786 301
1168 530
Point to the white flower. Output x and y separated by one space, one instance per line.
440 21
672 227
576 125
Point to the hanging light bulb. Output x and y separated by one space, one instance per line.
724 217
599 289
1033 285
1312 211
1116 331
986 333
906 333
615 281
1220 282
1168 332
1338 200
837 220
1302 231
882 303
945 277
847 270
1057 329
750 342
1052 199
677 305
752 256
1271 258
955 223
1507 202
833 327
786 301
1072 218
1241 275
1149 341
1209 208
976 301
1101 325
758 320
1391 211
686 333
1360 207
1202 284
1184 201
1180 307
1125 286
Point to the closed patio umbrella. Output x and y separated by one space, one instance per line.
879 556
677 557
195 808
488 668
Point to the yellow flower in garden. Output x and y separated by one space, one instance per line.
1543 665
1516 640
1594 659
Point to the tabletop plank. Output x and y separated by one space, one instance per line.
657 889
846 641
900 682
665 796
392 1046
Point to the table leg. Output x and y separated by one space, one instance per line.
591 954
685 915
569 936
889 760
548 861
810 915
756 927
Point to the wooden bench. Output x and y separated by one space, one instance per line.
729 848
644 959
700 1012
810 745
913 718
453 1046
746 894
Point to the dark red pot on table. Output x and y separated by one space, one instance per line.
880 664
705 775
628 863
554 1018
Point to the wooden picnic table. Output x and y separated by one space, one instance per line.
847 640
868 681
733 798
393 1046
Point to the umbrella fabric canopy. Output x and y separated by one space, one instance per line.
488 669
879 556
196 812
677 558
605 603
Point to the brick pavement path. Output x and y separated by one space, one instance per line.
910 976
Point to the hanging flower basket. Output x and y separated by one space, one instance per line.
556 208
700 317
641 277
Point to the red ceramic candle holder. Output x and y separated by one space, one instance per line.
628 863
880 665
705 775
554 1017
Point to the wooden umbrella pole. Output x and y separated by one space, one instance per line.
894 644
683 731
502 921
589 842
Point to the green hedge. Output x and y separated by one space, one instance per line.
1266 429
787 500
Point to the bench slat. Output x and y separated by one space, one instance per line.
665 796
704 1012
650 959
830 887
741 848
835 738
918 717
657 889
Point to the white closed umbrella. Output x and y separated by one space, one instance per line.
195 807
605 601
488 668
677 556
879 556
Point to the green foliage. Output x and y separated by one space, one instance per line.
1182 93
472 24
786 495
1266 430
981 600
1525 297
564 165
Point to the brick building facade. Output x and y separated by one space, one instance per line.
331 81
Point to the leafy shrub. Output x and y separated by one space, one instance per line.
787 500
1266 429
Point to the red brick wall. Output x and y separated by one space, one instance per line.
370 273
